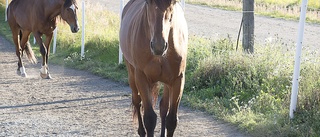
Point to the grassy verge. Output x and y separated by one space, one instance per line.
287 9
251 91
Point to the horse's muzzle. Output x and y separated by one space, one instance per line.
159 49
74 29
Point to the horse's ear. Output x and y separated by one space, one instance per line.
149 1
174 1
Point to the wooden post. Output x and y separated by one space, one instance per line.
248 26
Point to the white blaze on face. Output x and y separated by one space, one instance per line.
73 8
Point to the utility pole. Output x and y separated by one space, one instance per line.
248 26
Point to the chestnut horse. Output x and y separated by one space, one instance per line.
38 17
153 39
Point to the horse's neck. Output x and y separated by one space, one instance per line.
144 22
53 9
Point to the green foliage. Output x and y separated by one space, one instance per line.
253 91
4 29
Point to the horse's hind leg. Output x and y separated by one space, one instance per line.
15 37
136 100
155 91
23 41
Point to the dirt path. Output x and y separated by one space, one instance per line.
76 103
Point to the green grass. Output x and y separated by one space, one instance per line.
250 91
4 29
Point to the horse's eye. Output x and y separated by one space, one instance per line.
170 18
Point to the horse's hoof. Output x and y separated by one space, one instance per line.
45 76
24 75
22 72
48 76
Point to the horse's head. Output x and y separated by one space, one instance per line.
69 14
159 14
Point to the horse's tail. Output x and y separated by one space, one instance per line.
29 51
135 113
155 93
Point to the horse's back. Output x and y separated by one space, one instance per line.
21 13
21 7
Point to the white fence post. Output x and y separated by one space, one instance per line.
183 4
83 29
296 72
55 40
120 52
5 17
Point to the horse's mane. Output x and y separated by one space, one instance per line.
164 4
68 3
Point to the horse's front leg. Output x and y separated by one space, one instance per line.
47 45
43 51
144 88
176 91
136 100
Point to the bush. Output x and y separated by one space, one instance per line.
253 91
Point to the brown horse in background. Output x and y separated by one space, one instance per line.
153 39
38 17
